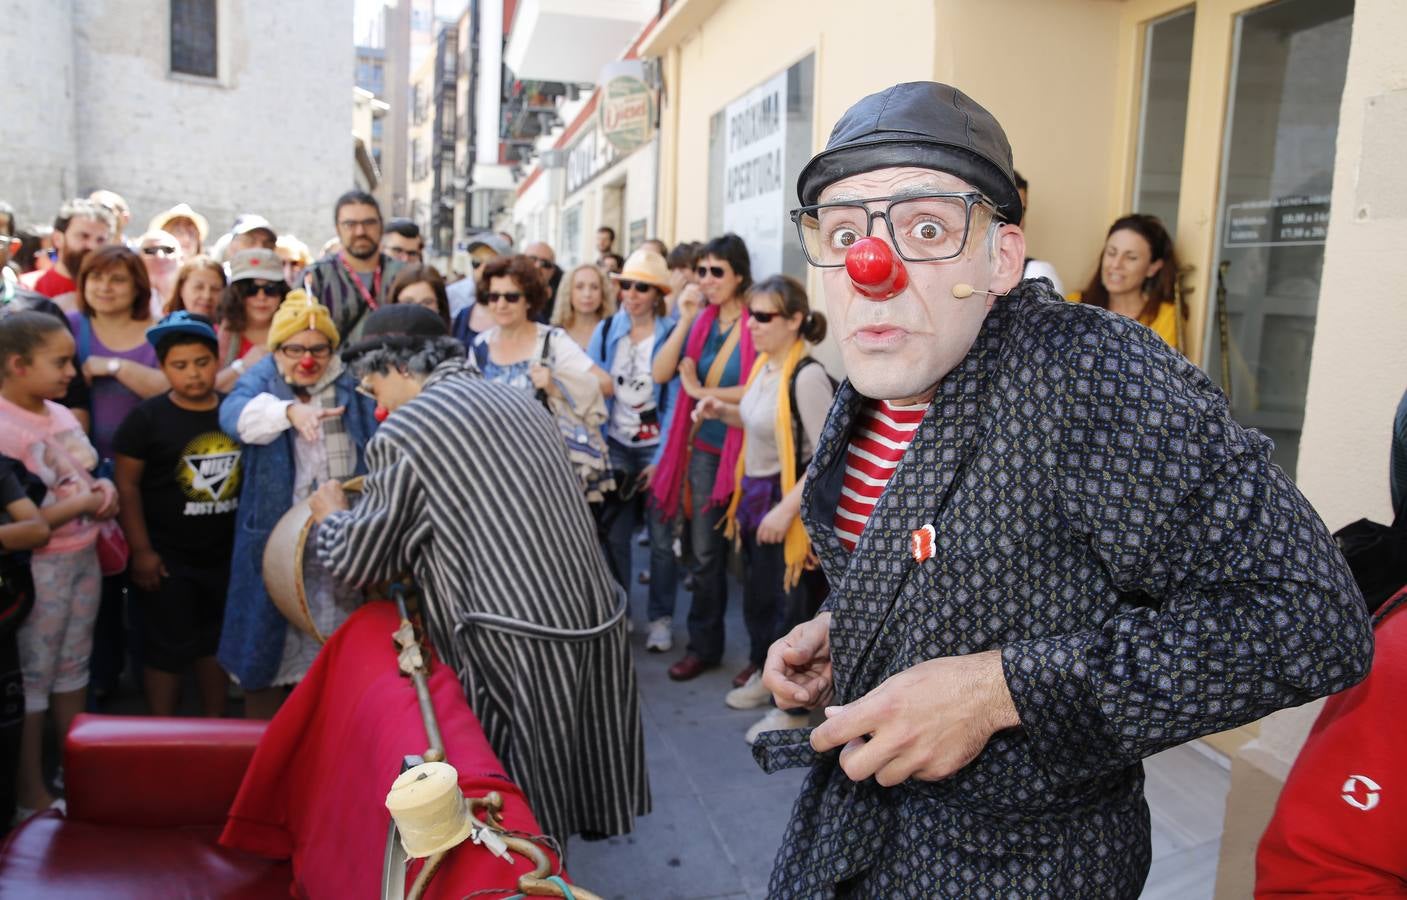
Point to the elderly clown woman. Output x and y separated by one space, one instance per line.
469 490
300 423
1052 552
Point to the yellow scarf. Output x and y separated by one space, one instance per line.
797 546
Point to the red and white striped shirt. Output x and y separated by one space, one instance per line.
881 436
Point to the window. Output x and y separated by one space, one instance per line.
193 37
1167 70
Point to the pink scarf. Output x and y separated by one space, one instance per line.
669 477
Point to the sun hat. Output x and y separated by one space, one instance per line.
647 266
180 211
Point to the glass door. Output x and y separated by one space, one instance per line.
1162 121
1277 172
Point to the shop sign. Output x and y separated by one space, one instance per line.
626 112
588 157
1284 221
754 154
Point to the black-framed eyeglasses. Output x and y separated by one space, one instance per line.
641 286
510 296
705 271
298 351
355 225
267 288
929 227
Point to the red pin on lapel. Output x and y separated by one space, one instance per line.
921 542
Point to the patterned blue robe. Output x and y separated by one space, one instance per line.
1147 573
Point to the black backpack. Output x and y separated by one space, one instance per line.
16 583
1377 556
796 427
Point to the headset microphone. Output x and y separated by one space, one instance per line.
963 291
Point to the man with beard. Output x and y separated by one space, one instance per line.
1052 552
357 278
80 226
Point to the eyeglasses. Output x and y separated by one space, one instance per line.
277 289
510 296
363 387
924 228
705 271
543 263
476 263
763 317
159 250
359 224
641 286
298 351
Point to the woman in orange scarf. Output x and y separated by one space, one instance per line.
788 396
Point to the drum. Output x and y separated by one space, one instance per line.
287 577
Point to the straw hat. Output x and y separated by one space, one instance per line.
647 266
180 211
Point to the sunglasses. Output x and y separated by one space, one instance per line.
705 271
641 286
763 317
543 263
271 289
510 296
298 351
159 251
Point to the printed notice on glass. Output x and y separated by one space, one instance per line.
1283 222
754 156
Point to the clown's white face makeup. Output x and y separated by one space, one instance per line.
901 348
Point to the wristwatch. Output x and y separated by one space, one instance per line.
114 366
238 365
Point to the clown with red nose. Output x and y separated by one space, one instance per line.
1051 551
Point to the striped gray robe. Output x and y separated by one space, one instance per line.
470 490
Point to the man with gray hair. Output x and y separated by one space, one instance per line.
1051 551
516 594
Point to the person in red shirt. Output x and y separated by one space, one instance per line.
1338 826
80 226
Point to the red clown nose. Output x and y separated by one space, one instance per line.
874 269
307 363
381 413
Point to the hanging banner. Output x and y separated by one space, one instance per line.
754 153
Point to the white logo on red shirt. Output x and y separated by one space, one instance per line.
1350 792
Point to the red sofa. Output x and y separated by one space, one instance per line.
147 799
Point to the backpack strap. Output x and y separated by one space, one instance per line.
798 436
85 339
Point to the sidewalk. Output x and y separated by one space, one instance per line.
718 820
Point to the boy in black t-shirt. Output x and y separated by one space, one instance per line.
178 478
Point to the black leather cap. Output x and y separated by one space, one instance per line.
398 325
924 124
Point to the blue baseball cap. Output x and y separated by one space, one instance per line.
182 322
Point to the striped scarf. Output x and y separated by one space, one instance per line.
797 546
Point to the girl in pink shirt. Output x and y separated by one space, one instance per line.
36 365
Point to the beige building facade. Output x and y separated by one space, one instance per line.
1261 133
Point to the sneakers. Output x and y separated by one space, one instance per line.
776 720
750 696
661 637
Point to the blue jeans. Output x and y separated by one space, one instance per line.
626 515
710 560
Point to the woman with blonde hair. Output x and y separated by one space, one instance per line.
585 299
198 286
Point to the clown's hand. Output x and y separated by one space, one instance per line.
926 722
